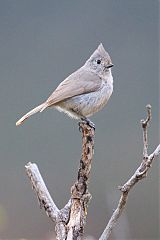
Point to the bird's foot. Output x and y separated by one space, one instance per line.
79 126
86 121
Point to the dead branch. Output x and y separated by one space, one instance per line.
70 220
139 174
43 195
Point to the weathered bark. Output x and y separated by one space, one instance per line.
70 220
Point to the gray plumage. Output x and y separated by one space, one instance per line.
85 91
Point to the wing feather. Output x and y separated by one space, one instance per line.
80 82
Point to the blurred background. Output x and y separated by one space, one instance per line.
41 43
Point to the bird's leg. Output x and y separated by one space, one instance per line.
87 121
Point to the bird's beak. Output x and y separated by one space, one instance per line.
110 65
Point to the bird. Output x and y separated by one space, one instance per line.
84 92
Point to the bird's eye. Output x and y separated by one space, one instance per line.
98 61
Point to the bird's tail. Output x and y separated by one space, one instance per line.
30 113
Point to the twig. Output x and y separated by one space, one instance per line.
144 126
70 220
41 190
139 174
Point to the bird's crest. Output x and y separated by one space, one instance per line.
100 52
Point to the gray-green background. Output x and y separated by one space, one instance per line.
41 43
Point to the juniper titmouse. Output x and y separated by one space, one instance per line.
85 91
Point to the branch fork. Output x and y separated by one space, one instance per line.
71 219
139 174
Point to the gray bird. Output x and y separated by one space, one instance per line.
84 92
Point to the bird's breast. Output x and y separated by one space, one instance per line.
97 100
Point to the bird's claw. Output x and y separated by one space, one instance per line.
90 124
86 121
80 127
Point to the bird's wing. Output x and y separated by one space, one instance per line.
80 82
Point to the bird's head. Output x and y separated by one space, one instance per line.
100 61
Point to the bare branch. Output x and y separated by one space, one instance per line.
144 126
156 152
71 219
80 196
41 190
139 174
